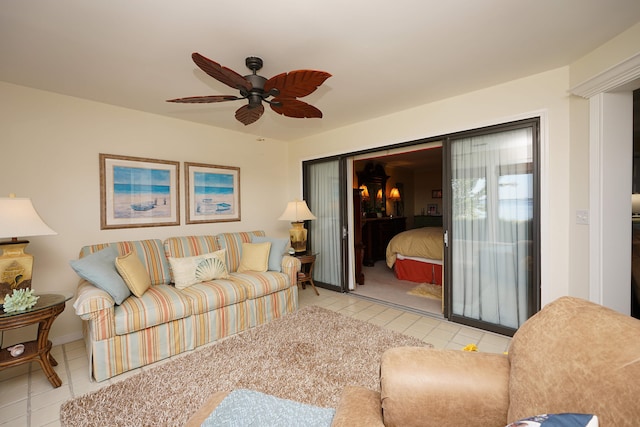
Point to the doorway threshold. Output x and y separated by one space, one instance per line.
391 304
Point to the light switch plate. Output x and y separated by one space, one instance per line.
582 217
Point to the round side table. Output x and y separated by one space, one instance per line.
48 307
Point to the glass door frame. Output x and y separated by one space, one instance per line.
343 216
534 290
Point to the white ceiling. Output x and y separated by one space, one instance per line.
384 56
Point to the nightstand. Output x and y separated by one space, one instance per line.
306 269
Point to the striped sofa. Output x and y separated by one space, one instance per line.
166 321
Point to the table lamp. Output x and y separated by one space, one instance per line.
18 217
297 212
394 196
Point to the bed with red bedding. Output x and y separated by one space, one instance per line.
416 255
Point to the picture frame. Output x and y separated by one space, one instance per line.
212 193
432 209
138 192
436 194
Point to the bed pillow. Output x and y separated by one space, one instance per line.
188 271
255 257
134 273
277 251
99 268
558 420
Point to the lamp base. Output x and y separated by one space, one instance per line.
298 236
16 267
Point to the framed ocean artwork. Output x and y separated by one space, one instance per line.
138 192
213 193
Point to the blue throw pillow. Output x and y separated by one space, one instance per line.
278 249
558 420
99 268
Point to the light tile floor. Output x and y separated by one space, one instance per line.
27 399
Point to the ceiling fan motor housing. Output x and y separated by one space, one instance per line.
256 94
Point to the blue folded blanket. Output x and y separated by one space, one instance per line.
251 408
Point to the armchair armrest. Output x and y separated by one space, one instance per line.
291 266
422 386
358 407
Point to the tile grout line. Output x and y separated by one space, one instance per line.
29 372
67 369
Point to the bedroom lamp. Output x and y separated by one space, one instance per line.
297 212
364 191
394 196
18 217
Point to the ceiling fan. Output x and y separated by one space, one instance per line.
285 88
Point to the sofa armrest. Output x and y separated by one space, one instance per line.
358 407
90 299
423 386
96 307
291 266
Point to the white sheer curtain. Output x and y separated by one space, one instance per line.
491 229
324 202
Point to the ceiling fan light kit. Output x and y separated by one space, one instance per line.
283 89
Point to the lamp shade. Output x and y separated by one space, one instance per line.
394 194
18 218
297 211
365 192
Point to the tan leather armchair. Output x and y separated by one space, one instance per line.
572 356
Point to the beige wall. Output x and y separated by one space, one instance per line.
599 61
544 94
50 145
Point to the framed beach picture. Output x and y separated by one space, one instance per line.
213 193
138 192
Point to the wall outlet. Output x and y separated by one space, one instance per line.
582 217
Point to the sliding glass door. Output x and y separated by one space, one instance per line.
324 191
492 230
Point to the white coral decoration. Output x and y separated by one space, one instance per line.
20 300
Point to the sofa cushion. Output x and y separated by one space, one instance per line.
193 269
277 251
99 268
255 257
208 296
232 242
258 284
150 252
134 273
576 356
159 304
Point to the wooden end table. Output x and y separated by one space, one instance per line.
48 307
306 269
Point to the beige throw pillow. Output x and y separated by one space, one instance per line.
255 257
134 273
188 271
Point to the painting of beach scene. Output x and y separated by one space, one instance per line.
138 192
213 193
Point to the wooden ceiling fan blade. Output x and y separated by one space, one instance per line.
295 108
248 114
205 99
296 84
220 73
